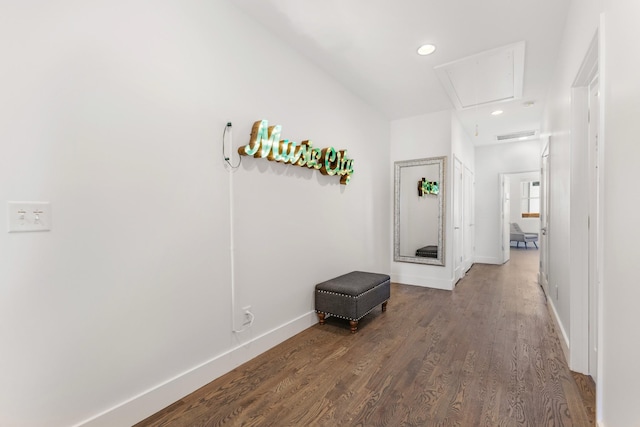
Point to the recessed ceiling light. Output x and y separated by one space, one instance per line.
497 112
426 49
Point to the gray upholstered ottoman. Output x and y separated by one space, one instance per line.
352 296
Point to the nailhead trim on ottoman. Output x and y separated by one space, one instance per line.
352 296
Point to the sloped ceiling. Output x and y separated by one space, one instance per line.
370 47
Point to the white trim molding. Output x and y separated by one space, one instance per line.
563 337
425 282
159 397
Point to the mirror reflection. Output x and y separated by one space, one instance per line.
419 211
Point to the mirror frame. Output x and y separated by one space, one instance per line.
440 259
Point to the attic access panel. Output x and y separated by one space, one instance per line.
489 77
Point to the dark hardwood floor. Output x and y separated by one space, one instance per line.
485 354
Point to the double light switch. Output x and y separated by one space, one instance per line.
28 216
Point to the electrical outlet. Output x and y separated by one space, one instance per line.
248 316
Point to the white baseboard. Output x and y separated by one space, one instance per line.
488 260
427 282
564 338
159 397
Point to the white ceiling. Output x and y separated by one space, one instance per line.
491 77
370 47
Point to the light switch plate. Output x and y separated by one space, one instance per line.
28 216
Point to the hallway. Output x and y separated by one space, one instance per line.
485 354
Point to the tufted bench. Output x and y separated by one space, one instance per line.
352 296
430 251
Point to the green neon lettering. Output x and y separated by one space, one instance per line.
342 170
316 154
294 152
349 166
256 138
278 149
304 153
265 142
329 158
264 138
285 147
269 140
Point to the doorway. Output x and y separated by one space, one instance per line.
593 224
505 216
520 203
468 215
458 221
585 217
543 276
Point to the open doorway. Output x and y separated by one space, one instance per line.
520 204
586 208
543 275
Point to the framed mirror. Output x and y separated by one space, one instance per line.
419 211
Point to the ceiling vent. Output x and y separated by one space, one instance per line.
516 135
488 77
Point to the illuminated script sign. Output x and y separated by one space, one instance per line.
266 143
427 187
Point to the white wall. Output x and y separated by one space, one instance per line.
582 23
620 348
419 137
113 111
461 143
463 148
618 370
431 135
491 161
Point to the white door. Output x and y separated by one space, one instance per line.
469 219
458 248
543 277
594 192
505 216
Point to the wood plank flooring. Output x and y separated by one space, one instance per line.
485 354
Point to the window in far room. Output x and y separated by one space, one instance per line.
530 204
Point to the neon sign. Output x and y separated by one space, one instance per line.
427 187
266 143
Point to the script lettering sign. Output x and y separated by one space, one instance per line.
266 143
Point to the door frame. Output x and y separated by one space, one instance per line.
468 214
505 216
586 272
458 220
505 220
595 225
545 178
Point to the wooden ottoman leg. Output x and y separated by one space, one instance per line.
384 306
354 326
321 318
